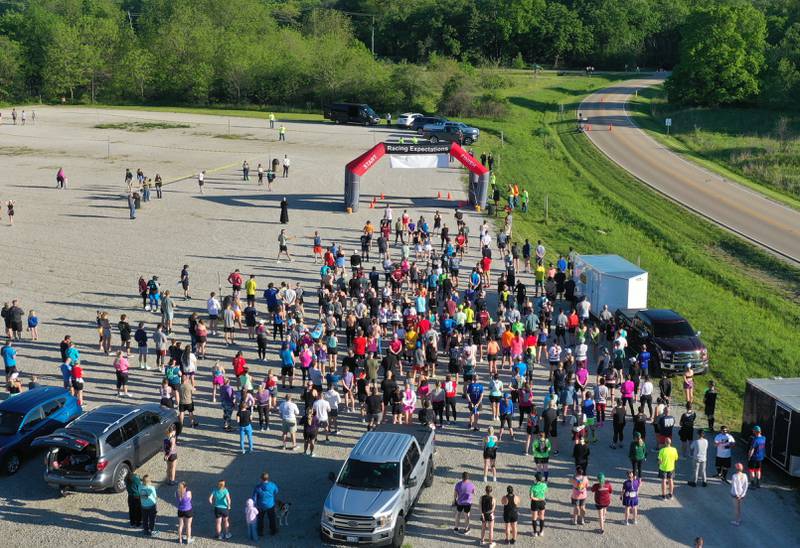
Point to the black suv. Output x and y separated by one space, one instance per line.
673 344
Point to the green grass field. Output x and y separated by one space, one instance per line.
744 301
755 147
220 111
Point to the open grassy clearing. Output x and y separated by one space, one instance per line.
297 116
755 147
743 300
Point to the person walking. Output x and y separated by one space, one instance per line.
630 497
488 505
264 497
133 484
739 484
201 180
538 496
149 500
183 498
602 498
510 504
490 454
220 499
699 451
283 241
667 457
463 492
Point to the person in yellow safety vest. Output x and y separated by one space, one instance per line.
414 140
282 133
271 120
402 140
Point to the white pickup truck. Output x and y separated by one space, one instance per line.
378 485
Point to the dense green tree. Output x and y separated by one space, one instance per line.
782 78
722 54
11 76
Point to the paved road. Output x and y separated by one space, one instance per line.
737 208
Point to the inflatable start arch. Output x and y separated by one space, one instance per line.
420 155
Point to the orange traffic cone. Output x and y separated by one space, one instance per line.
448 196
440 195
372 204
382 196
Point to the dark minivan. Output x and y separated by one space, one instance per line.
352 113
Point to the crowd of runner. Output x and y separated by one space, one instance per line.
407 329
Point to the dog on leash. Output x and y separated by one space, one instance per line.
283 513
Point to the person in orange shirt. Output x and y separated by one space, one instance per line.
492 350
572 324
505 343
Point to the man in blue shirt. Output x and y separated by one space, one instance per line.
756 454
506 416
644 360
271 296
474 399
9 357
264 497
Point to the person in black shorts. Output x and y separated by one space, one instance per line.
375 408
510 504
488 505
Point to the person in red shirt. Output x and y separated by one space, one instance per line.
572 325
486 266
602 499
360 346
77 382
235 279
239 364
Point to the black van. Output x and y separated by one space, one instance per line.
352 113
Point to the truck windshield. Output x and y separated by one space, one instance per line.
669 330
359 474
370 112
9 422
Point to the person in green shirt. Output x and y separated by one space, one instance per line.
220 498
132 485
538 493
667 457
149 499
637 454
525 199
541 455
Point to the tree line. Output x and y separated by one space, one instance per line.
307 52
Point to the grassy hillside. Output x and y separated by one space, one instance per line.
744 301
755 147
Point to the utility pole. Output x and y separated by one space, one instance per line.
372 33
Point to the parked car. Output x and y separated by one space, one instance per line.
420 122
451 131
352 113
673 344
98 450
407 118
31 414
378 485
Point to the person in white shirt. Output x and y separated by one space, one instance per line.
201 180
214 308
724 442
739 483
286 164
387 213
646 395
699 452
334 399
322 408
289 412
540 251
583 309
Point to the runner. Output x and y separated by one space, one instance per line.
183 501
538 494
630 498
510 504
490 454
667 457
602 499
739 485
488 505
724 443
220 500
755 456
580 490
463 492
699 454
541 455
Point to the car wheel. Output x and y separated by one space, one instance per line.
468 141
399 532
11 464
429 475
434 139
121 478
419 131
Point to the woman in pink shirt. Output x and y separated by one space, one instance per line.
121 368
627 389
517 344
306 357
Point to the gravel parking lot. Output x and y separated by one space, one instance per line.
73 252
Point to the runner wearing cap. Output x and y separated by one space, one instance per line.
755 456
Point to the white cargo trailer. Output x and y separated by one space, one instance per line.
610 280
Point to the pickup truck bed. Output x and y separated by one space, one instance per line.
420 432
